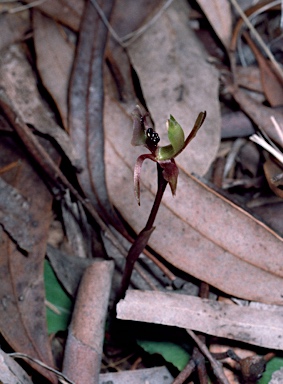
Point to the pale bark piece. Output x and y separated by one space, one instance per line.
86 333
254 326
277 377
158 375
218 13
54 59
176 79
198 230
11 372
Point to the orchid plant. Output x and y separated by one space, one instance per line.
144 134
167 172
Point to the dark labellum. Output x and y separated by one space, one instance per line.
153 136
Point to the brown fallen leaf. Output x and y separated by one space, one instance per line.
272 86
54 58
176 79
19 81
249 78
67 12
219 15
22 319
198 231
13 27
271 215
15 216
262 327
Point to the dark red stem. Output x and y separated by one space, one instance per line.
142 238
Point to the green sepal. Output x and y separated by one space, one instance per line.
176 137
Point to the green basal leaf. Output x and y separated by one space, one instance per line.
173 353
176 137
273 365
57 297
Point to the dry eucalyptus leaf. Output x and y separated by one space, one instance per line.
15 216
218 12
54 58
176 79
13 27
254 326
198 231
18 79
22 316
67 12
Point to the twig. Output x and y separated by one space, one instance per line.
216 366
17 355
186 372
22 7
128 39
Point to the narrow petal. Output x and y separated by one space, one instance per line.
137 173
170 173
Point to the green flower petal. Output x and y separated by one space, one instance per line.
176 137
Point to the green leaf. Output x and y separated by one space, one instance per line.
57 297
273 365
176 137
173 353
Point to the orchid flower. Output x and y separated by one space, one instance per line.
144 134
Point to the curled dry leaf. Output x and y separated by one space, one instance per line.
86 99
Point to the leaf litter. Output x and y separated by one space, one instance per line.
200 232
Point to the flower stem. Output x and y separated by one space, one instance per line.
143 237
